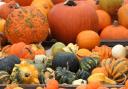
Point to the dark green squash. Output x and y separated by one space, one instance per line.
7 63
89 63
4 77
64 59
64 76
81 74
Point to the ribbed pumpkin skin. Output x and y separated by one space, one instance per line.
26 24
122 16
111 6
114 33
67 21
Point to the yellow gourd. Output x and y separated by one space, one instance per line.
101 78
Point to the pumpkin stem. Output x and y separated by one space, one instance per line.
17 6
70 3
115 23
97 2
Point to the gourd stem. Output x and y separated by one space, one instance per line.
115 23
70 3
17 6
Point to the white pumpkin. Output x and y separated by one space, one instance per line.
119 51
79 82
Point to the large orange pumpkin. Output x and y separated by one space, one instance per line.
114 32
122 16
43 5
21 2
104 19
7 8
26 24
88 39
67 20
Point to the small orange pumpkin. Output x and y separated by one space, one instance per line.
88 39
103 51
104 19
114 32
94 85
52 84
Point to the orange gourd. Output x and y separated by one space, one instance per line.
81 53
52 84
102 87
26 24
104 51
122 15
93 85
99 70
88 39
114 32
104 19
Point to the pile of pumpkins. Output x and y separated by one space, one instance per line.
77 57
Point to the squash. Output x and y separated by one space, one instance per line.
100 77
81 16
110 6
99 70
33 28
7 8
20 49
79 82
7 63
109 32
89 63
43 5
81 74
64 76
116 69
63 59
25 73
104 51
57 47
4 77
122 16
119 51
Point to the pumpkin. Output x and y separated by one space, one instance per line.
93 85
125 1
57 1
12 86
88 39
99 70
111 6
81 53
7 8
119 51
102 87
4 77
30 26
116 69
25 73
79 82
7 63
43 5
20 49
52 84
64 76
81 16
21 2
122 15
104 19
109 32
103 51
64 59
